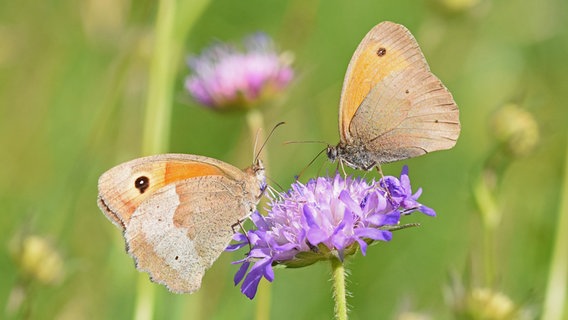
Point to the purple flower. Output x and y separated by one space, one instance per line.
324 218
225 78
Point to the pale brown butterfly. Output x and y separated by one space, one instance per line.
392 107
177 212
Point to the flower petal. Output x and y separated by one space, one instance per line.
374 234
241 272
427 210
315 235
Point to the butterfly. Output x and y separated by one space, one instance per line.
392 107
177 212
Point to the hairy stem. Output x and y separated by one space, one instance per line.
339 292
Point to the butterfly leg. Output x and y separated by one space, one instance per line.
340 163
242 229
379 169
383 187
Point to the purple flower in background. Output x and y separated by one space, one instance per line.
225 78
326 217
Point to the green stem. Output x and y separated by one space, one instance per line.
339 293
488 247
160 82
157 121
173 22
555 299
490 218
263 298
144 299
255 124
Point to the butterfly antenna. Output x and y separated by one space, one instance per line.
266 140
255 144
314 159
320 169
274 182
309 164
306 141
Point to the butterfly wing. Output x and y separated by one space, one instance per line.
119 196
407 114
179 232
387 48
177 212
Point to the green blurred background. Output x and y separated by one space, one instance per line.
73 89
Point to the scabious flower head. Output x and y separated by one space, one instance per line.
225 78
328 217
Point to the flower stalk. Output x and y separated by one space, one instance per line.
255 123
160 81
339 291
157 121
173 21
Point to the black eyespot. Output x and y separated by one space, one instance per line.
142 183
177 258
381 52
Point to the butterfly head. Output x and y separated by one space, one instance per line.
332 152
258 173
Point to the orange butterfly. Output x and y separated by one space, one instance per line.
392 107
177 212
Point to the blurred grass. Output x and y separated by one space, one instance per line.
73 84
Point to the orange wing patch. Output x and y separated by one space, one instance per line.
178 170
388 47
